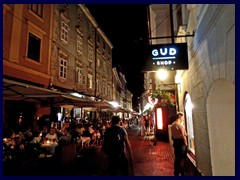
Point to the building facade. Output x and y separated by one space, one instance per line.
26 59
206 91
51 49
81 52
121 94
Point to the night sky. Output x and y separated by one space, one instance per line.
127 29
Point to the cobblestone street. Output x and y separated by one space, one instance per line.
149 160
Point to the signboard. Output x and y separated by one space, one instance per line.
168 56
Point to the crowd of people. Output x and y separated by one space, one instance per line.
85 132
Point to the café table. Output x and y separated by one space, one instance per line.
49 147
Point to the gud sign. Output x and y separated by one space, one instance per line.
168 56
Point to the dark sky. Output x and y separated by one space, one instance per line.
127 29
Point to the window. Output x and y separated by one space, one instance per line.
189 125
63 68
79 75
98 62
109 90
97 84
90 53
90 81
34 45
79 44
37 9
79 16
104 66
64 32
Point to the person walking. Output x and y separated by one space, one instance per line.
142 126
115 144
180 144
147 128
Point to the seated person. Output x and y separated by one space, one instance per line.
28 134
66 137
52 136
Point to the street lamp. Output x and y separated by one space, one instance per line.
162 74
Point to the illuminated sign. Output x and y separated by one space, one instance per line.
159 118
168 56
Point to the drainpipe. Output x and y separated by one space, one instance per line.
171 22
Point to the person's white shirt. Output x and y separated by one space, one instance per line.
51 136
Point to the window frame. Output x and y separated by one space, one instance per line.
79 75
64 31
38 11
39 50
90 81
63 71
90 53
79 44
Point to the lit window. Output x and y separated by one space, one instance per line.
189 121
98 62
64 32
90 81
34 44
79 44
97 85
79 75
63 68
37 9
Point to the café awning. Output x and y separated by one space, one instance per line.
13 90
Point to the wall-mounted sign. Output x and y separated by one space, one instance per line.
168 56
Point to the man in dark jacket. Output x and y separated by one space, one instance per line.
118 162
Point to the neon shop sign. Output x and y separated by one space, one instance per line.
171 56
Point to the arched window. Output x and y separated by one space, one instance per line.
189 123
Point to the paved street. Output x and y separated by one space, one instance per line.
149 160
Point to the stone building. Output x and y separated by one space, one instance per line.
51 51
206 90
